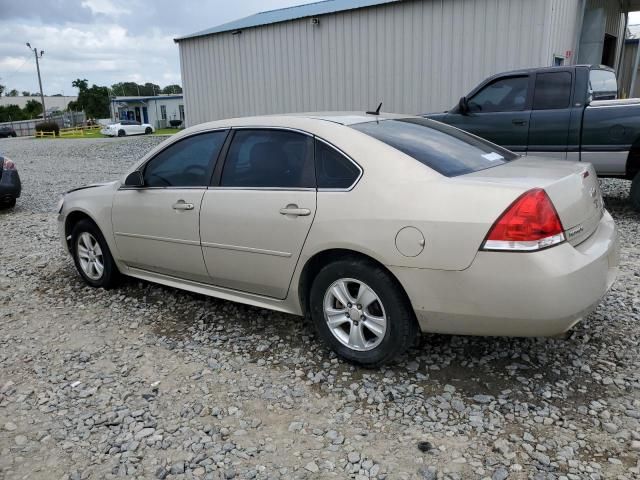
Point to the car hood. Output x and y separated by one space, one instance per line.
93 185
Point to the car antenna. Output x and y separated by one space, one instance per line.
377 111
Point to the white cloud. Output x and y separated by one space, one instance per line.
106 7
106 41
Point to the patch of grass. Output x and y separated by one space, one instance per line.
166 131
97 134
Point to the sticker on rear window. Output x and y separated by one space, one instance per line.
493 157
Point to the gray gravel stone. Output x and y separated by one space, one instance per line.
144 381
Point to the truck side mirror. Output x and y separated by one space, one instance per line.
134 179
463 106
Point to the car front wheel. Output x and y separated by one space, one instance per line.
121 133
360 311
92 256
147 130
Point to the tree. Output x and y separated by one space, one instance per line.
80 84
174 88
11 113
94 100
33 108
12 93
26 93
2 89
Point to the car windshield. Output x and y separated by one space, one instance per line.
447 150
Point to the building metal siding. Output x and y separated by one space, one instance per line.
414 56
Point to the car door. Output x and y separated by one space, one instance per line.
256 216
551 114
498 112
136 128
156 226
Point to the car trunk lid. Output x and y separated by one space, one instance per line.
572 187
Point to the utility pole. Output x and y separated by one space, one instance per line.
35 52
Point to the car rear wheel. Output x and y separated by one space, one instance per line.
361 312
8 203
147 130
634 194
121 133
92 256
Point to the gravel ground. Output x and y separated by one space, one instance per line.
150 382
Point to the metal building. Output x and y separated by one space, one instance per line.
413 55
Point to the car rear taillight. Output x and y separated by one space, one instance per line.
530 223
8 164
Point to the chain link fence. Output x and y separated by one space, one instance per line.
26 128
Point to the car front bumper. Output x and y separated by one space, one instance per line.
543 293
10 186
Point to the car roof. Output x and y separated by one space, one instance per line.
341 118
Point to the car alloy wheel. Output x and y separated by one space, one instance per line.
354 314
90 256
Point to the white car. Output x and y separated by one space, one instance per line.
374 226
127 127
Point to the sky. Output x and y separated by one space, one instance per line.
106 41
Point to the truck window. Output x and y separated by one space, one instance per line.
553 90
503 95
603 85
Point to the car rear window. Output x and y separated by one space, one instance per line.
447 150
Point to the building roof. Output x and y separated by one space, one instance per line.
286 14
135 98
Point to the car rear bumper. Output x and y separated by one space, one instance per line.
10 186
517 294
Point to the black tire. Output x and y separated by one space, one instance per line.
14 134
121 133
634 194
147 130
110 274
401 330
8 204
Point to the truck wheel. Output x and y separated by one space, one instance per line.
634 194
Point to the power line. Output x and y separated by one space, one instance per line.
16 70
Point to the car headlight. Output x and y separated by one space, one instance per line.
60 204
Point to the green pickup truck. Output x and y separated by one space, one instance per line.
569 113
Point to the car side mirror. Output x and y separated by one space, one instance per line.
134 179
463 106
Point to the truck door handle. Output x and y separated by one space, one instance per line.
293 209
181 205
518 121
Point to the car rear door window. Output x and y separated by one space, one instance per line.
603 85
186 163
333 169
265 158
445 149
552 91
503 95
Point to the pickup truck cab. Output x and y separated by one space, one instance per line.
570 113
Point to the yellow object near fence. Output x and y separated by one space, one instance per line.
71 131
45 134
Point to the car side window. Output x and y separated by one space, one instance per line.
186 163
503 95
603 85
552 91
269 159
333 169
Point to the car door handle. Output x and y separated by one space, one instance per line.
519 122
294 210
181 205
